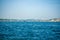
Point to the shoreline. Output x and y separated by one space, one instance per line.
28 20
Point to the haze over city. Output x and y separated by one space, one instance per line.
29 9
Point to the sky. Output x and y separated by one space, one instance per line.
29 9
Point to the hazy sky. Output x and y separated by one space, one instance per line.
29 9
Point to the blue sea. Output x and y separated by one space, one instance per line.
29 30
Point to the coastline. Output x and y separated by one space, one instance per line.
30 20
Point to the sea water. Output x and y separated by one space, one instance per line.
29 30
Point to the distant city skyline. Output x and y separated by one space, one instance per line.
29 9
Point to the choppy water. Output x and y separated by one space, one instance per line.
29 30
